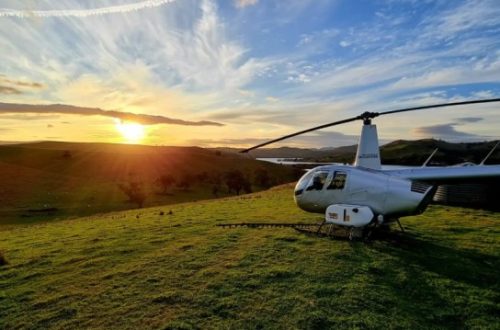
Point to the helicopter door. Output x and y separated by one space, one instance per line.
315 189
337 187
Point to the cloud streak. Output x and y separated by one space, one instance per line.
84 12
14 87
74 110
446 132
315 140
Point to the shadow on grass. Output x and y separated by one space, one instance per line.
467 266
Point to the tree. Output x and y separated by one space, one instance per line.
185 182
215 178
236 181
134 192
67 154
3 260
202 177
215 190
261 178
165 182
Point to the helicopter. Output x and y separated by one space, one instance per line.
364 195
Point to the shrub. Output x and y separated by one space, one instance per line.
134 192
3 260
236 181
165 182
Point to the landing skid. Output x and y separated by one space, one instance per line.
319 229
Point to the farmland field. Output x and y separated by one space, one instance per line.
48 181
147 269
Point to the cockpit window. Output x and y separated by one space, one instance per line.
338 180
318 181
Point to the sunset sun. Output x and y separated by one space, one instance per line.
131 132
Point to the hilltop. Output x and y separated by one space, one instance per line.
75 179
141 269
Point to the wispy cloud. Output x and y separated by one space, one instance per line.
83 12
317 139
245 3
73 110
16 87
9 90
204 58
469 119
466 17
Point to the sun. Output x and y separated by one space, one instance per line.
131 132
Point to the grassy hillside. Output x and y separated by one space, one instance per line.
140 269
75 179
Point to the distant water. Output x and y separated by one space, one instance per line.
287 161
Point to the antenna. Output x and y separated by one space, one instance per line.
489 154
430 157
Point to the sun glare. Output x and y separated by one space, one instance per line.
131 132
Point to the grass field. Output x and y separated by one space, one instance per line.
37 176
140 269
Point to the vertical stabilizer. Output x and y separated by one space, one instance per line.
368 154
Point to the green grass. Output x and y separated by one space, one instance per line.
138 269
36 176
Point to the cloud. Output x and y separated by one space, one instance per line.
28 117
74 110
311 140
245 3
15 87
204 58
469 119
446 132
9 90
468 16
20 83
83 12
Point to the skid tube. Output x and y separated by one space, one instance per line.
321 229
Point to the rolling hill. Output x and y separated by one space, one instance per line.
140 269
74 179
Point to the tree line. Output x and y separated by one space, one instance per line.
230 182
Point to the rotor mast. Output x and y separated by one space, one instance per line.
368 153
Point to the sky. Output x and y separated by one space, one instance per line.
238 72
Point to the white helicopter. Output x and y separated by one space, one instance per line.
365 195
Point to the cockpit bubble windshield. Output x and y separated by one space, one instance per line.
318 181
302 184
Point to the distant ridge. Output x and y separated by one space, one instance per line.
401 152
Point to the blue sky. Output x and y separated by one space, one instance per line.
261 68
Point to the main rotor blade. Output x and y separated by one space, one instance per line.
367 116
301 132
438 106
